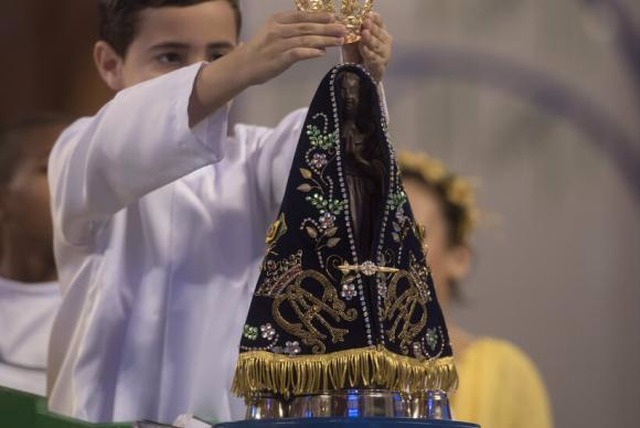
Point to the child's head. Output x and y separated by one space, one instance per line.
24 192
143 39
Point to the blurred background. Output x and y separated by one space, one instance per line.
537 100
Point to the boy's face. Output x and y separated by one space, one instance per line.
24 201
169 38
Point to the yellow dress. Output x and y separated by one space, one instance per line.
499 388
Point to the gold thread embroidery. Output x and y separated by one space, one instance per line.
403 309
279 274
313 313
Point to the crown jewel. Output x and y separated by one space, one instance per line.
350 12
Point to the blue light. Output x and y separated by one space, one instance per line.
352 406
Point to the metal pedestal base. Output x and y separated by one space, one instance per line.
348 423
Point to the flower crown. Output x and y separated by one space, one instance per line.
456 191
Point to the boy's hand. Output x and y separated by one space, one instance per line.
374 48
288 38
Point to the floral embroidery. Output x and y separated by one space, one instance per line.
326 220
276 230
319 139
267 331
320 187
349 291
319 161
292 348
250 332
326 205
397 199
432 338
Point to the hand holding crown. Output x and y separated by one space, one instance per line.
374 43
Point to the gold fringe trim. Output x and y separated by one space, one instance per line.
355 368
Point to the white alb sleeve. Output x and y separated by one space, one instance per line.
137 143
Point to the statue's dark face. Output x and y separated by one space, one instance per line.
351 95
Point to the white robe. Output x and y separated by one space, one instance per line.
159 232
27 312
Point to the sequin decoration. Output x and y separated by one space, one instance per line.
432 338
349 291
267 331
368 268
319 161
292 348
250 332
417 350
326 220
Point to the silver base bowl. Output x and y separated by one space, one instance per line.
431 405
351 404
265 406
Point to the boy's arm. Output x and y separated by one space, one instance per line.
156 132
286 39
137 143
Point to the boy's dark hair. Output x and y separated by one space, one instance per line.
11 143
118 19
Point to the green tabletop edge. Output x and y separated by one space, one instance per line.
23 410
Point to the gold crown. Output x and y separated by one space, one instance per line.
350 12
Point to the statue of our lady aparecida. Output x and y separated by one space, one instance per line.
344 320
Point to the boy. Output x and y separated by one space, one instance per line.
160 218
29 292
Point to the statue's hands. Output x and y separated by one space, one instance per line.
374 48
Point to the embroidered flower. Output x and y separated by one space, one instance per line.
319 161
327 220
432 338
369 268
349 291
250 332
268 332
292 348
320 140
323 204
396 200
277 229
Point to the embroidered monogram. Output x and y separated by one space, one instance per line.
316 315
